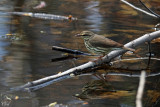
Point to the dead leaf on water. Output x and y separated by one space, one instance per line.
52 104
85 103
9 34
16 98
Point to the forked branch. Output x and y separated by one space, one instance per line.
37 84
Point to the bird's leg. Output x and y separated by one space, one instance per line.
129 49
133 53
100 57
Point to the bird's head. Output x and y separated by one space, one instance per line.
86 34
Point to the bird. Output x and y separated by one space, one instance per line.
98 44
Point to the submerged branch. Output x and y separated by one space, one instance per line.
44 16
91 64
71 51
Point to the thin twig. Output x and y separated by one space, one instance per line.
149 9
139 9
130 59
140 89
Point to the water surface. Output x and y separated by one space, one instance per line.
26 54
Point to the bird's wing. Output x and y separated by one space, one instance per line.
101 41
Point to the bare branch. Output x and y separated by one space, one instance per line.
150 14
92 64
140 89
149 9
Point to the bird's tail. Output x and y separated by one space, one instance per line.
129 49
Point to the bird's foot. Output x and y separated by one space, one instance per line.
133 53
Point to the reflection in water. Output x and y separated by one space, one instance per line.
102 89
44 16
14 65
29 58
4 29
94 17
2 50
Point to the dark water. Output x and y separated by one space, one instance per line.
26 54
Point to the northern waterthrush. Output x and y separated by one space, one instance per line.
99 44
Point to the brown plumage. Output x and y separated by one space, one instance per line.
99 44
